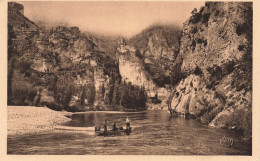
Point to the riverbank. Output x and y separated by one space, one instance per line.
30 119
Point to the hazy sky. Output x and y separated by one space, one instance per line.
114 17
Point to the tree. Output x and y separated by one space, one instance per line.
11 36
68 95
91 93
55 88
103 90
83 96
132 96
116 93
110 90
194 11
11 63
198 71
64 89
10 78
176 75
124 95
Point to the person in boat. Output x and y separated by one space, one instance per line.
128 124
105 127
114 128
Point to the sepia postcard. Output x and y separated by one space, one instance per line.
129 80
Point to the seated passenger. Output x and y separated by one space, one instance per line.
105 126
128 124
114 127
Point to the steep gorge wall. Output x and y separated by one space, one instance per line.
146 60
215 64
132 70
48 64
134 73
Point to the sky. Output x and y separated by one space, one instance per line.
109 17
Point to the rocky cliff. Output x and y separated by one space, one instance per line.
213 70
50 66
146 60
157 47
132 70
62 68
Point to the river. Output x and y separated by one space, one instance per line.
155 133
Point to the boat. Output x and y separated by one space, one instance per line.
119 132
97 130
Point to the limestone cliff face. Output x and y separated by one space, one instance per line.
61 48
131 69
146 60
192 97
157 41
219 36
54 62
67 49
134 73
157 47
215 62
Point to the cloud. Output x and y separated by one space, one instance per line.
114 17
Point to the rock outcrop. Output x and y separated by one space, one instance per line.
132 69
157 47
215 65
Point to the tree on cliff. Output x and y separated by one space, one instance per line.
142 97
176 75
83 96
11 48
91 93
116 93
68 95
10 77
110 90
11 62
132 96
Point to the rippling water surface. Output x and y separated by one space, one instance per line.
154 133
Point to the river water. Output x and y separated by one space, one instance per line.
155 133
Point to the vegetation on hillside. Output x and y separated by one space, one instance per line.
45 64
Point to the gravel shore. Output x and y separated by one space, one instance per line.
29 119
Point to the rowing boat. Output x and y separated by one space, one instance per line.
97 130
118 132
